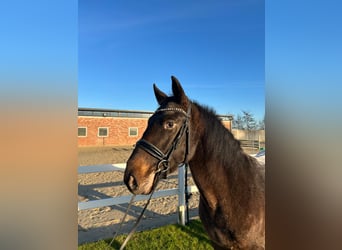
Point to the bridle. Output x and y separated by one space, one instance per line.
164 158
163 164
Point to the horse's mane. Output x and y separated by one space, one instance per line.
221 141
225 151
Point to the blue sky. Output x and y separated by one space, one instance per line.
215 49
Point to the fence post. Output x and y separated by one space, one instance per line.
181 195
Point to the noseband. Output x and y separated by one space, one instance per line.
164 159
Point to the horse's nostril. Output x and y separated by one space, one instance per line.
132 183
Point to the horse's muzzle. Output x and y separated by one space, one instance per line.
137 180
131 183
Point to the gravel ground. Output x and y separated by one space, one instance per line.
101 223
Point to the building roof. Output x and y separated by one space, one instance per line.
127 113
113 113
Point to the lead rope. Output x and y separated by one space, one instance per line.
136 223
122 220
139 218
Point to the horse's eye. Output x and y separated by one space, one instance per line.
169 124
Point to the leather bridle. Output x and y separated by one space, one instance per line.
163 165
164 158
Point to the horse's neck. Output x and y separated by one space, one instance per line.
225 188
214 171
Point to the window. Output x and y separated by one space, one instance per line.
82 131
133 132
102 132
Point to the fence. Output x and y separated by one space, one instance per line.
252 140
180 191
255 144
257 135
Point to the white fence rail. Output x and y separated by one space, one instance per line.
180 191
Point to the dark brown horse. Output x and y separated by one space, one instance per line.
230 182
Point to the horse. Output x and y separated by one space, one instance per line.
230 182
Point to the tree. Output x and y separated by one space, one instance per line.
246 121
238 122
261 124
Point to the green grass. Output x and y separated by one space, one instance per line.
190 237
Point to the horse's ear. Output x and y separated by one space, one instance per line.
160 95
178 92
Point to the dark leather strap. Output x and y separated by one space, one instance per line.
151 149
164 162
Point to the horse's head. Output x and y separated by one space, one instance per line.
164 144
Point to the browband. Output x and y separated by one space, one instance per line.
173 109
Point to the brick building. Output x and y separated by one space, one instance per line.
106 127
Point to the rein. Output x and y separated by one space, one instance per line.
139 218
162 166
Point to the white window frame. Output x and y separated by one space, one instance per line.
98 132
129 131
86 132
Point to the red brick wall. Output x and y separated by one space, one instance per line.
227 124
118 134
